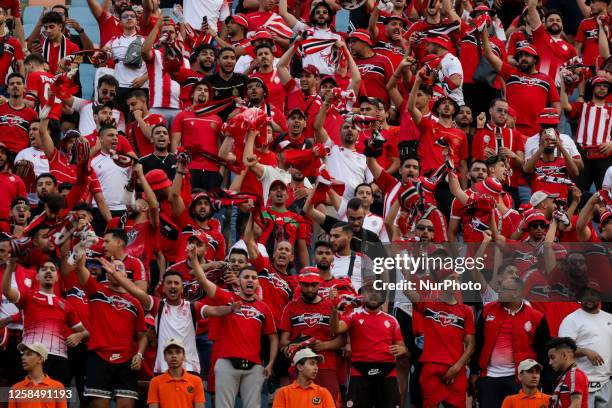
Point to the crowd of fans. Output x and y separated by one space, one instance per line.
202 230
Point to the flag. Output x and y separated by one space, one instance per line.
213 107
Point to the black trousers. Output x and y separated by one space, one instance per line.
594 172
491 391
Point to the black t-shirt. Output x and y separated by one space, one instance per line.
222 89
152 162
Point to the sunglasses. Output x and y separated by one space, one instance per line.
537 225
107 92
128 16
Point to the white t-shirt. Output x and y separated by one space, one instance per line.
372 222
125 75
592 331
349 167
340 269
320 59
37 157
112 180
242 245
176 322
271 174
532 144
450 65
87 124
214 10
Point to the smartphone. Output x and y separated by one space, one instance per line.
205 20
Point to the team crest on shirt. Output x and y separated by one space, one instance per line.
528 326
190 389
131 235
250 312
316 400
387 324
312 319
490 318
360 321
486 138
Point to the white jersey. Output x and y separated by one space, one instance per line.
271 174
532 144
87 124
321 59
348 166
125 75
594 332
112 180
214 10
450 65
37 157
595 124
176 322
340 269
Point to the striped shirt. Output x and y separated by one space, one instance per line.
594 123
163 91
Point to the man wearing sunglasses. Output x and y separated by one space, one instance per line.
106 91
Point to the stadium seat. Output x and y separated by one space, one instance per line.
87 72
93 32
31 14
46 3
83 16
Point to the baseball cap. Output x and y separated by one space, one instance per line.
298 111
68 135
310 274
199 235
38 348
533 216
262 35
307 353
174 342
442 40
311 69
549 116
528 364
239 19
604 217
599 79
392 17
277 183
361 35
527 49
329 78
482 8
539 196
490 186
157 179
259 81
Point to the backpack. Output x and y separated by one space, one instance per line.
133 55
160 309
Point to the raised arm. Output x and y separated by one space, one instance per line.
45 138
176 198
81 270
585 217
249 158
97 9
8 291
147 45
336 325
416 114
282 66
285 14
533 17
455 188
372 23
493 59
319 130
311 212
209 287
604 44
353 69
149 196
565 104
394 93
145 300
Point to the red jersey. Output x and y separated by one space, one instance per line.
276 291
468 50
242 330
110 27
310 319
120 311
199 134
286 223
54 53
375 73
141 239
588 36
510 138
539 89
552 52
472 224
38 85
250 183
556 168
11 52
372 333
141 144
309 104
15 126
445 327
187 78
394 52
430 153
215 248
46 319
422 28
572 381
390 149
12 187
76 297
276 90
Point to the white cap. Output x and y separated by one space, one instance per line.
528 364
306 353
174 342
38 348
539 196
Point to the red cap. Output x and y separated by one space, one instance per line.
158 179
527 49
549 116
239 19
199 235
396 17
311 69
442 40
310 274
277 183
533 216
599 79
489 186
361 35
262 35
481 8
